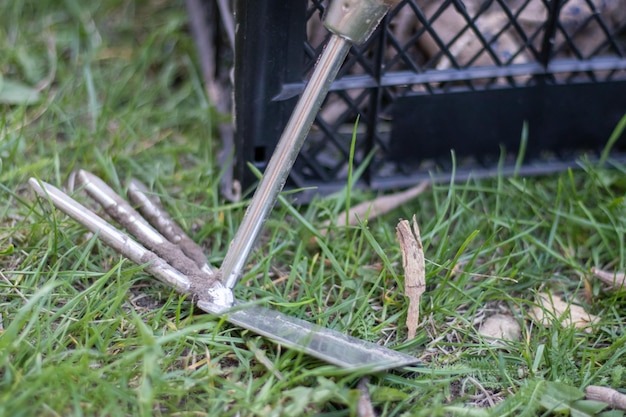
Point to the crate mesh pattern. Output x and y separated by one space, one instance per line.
436 76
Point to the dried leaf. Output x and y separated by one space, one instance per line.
616 280
379 206
568 314
607 395
500 327
414 270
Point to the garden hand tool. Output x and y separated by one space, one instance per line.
169 255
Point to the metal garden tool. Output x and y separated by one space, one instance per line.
172 257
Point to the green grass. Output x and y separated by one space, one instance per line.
85 332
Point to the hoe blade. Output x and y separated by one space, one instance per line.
322 343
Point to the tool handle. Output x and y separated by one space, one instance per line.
350 21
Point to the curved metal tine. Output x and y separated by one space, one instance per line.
153 211
122 243
131 220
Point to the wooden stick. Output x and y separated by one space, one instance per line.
607 395
617 280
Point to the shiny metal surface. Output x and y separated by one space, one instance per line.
151 209
354 20
283 159
350 21
117 240
328 345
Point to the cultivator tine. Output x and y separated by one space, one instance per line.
136 225
153 211
119 241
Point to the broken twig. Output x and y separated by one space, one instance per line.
617 280
364 407
414 271
607 395
377 207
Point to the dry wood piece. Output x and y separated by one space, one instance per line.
550 308
616 280
379 206
364 407
607 395
414 271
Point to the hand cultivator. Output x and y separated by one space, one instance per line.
172 257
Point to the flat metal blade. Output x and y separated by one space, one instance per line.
322 343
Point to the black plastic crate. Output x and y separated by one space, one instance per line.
436 76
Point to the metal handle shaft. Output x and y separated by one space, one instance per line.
341 18
283 159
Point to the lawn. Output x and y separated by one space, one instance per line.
113 86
